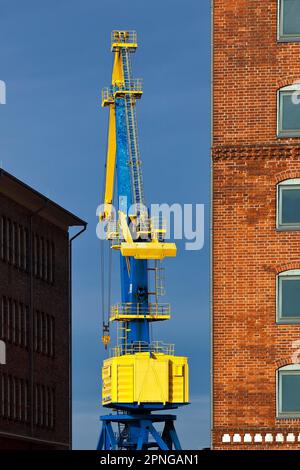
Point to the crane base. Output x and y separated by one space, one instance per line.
137 432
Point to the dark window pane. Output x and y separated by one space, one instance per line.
291 17
290 206
290 389
290 112
290 298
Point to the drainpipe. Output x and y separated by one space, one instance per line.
70 335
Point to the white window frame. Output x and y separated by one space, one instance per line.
281 37
295 274
281 133
291 369
292 184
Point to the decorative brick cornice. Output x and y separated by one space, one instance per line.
280 151
269 437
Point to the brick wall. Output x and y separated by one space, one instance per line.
37 375
249 66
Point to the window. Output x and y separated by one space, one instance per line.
288 391
14 401
288 205
44 328
44 406
289 20
13 321
13 398
43 258
288 296
14 249
14 243
288 111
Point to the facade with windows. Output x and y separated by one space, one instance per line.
288 20
256 225
34 318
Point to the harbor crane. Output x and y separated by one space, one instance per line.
141 377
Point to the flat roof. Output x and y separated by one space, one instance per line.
34 201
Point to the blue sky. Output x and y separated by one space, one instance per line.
55 58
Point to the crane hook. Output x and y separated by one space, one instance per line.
105 335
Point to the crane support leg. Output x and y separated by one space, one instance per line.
137 432
107 439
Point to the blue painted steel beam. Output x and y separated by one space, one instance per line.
138 428
134 284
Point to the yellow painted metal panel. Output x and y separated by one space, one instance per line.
125 383
107 383
152 250
129 45
110 164
125 228
118 74
139 378
151 380
179 392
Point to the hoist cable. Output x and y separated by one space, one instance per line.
109 281
102 282
102 248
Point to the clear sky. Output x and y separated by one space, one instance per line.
55 58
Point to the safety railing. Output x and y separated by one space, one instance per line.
107 96
112 230
157 347
129 87
132 85
135 85
123 38
142 228
128 310
158 228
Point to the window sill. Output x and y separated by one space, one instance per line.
288 39
292 135
288 229
285 417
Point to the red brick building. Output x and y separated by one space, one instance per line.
256 225
35 318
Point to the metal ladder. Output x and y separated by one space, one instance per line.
122 335
159 280
133 147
